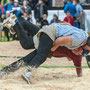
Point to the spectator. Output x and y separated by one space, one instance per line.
3 2
20 2
32 3
0 1
69 19
65 2
26 8
79 12
70 7
16 8
46 2
2 13
55 19
44 21
39 11
26 16
5 29
9 6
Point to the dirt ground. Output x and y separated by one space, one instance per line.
44 79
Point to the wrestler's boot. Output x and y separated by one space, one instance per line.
27 76
30 74
10 22
12 67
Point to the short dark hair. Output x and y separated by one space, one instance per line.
41 0
88 41
76 1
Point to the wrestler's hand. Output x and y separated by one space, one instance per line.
78 51
69 59
54 48
55 45
65 23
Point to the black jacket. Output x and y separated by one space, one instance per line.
44 22
37 11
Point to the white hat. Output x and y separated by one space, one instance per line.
15 0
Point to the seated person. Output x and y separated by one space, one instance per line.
69 18
55 19
26 16
44 21
25 8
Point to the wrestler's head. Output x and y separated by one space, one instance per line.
83 50
86 47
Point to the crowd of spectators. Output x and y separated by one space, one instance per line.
76 12
23 8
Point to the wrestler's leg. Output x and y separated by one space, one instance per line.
17 64
35 58
13 24
44 49
32 29
25 40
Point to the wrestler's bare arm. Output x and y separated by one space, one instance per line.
66 40
65 23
